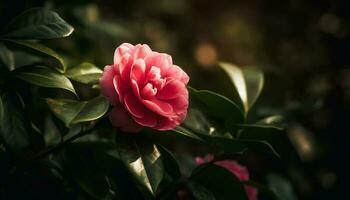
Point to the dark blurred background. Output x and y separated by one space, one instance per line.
303 47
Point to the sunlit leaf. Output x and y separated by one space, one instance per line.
85 73
45 77
92 110
6 57
38 23
43 50
248 84
143 159
73 112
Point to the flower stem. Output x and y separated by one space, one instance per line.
60 145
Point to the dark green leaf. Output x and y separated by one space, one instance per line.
38 23
73 112
219 106
263 190
199 192
143 159
170 164
92 110
239 145
247 82
43 50
45 77
277 138
85 73
281 187
221 182
6 57
13 126
185 132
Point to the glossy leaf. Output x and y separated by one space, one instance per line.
92 110
229 145
277 138
13 125
199 192
43 50
254 80
219 106
38 23
45 77
281 187
247 82
143 159
6 57
73 112
219 181
170 164
85 73
185 132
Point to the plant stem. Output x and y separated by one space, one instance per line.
60 145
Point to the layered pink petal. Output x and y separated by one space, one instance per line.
165 124
106 84
160 60
125 67
159 107
179 104
149 120
121 118
177 73
146 88
171 89
119 87
121 50
141 51
133 105
138 71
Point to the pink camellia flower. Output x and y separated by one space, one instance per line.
238 170
145 89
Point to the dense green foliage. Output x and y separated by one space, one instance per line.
72 152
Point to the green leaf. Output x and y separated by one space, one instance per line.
229 145
43 50
92 110
219 106
45 77
85 73
262 190
143 159
254 80
13 125
247 82
219 181
281 187
171 166
276 137
6 57
73 112
38 23
185 132
199 192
